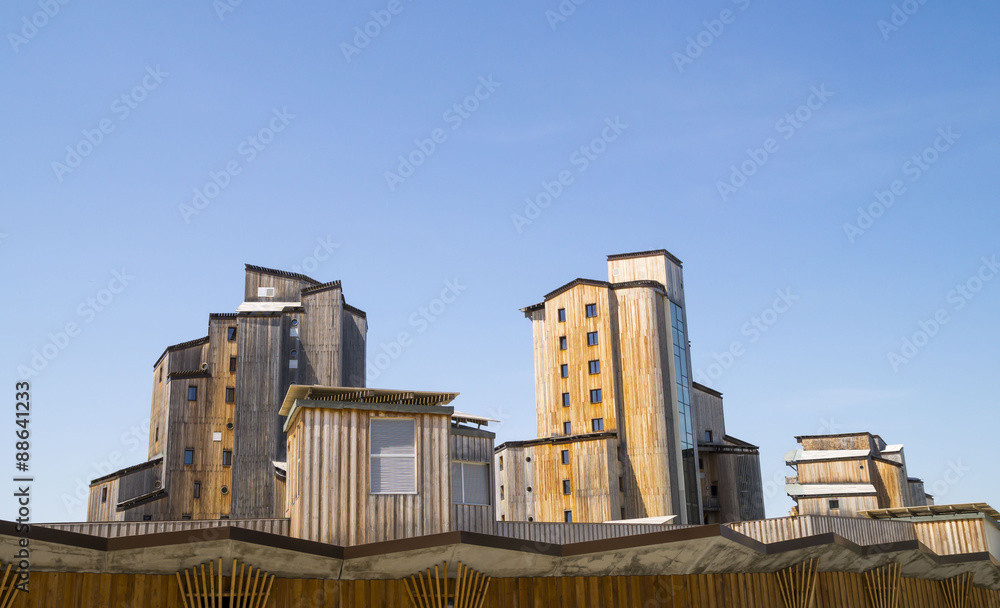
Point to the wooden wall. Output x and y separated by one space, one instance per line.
98 510
328 472
892 476
474 446
861 531
659 268
951 537
834 590
287 286
320 356
859 441
850 506
514 474
353 346
134 528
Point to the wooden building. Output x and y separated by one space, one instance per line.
215 432
847 474
617 412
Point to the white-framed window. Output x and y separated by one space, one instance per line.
470 483
392 456
265 292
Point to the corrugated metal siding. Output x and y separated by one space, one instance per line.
559 533
857 530
134 528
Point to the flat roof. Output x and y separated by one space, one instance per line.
348 394
646 254
809 490
266 306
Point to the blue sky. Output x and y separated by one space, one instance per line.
724 154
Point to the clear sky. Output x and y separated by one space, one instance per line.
172 142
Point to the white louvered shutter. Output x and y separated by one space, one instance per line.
393 456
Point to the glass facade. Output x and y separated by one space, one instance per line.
684 412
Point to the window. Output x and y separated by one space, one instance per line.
189 456
295 322
597 424
186 517
565 399
192 393
232 334
232 365
713 490
562 315
223 517
147 518
230 395
501 463
708 436
104 494
564 370
594 366
227 458
591 310
265 292
834 504
591 338
156 435
621 484
470 483
562 343
393 456
567 488
565 456
595 395
501 492
568 516
619 451
197 489
701 463
623 512
567 428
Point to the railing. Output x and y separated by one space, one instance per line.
115 529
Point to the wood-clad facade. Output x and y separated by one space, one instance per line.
848 473
214 425
613 383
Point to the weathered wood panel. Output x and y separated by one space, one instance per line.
951 537
329 490
471 447
134 528
857 530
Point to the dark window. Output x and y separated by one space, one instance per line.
562 343
565 456
156 437
501 492
619 450
501 463
197 489
714 490
708 436
591 338
568 516
567 489
189 456
161 374
564 370
104 494
232 334
223 517
185 517
230 395
147 518
834 504
232 364
591 310
562 315
565 399
192 393
227 458
621 484
595 395
623 512
701 463
594 366
567 428
597 424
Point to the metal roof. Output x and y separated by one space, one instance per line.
266 306
463 417
347 394
811 455
829 489
933 510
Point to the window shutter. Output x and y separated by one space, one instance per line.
393 456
